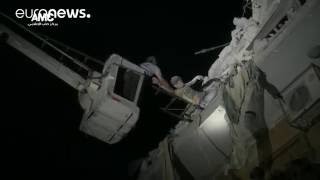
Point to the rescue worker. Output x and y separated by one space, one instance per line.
152 70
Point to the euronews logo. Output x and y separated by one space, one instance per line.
44 16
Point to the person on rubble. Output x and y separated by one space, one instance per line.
153 71
184 91
200 90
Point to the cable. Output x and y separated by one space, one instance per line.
72 49
211 49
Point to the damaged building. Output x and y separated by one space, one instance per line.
257 116
248 130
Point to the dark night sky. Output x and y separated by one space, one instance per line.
42 113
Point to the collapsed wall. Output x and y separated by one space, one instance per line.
277 37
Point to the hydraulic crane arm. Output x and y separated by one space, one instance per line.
42 58
108 91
